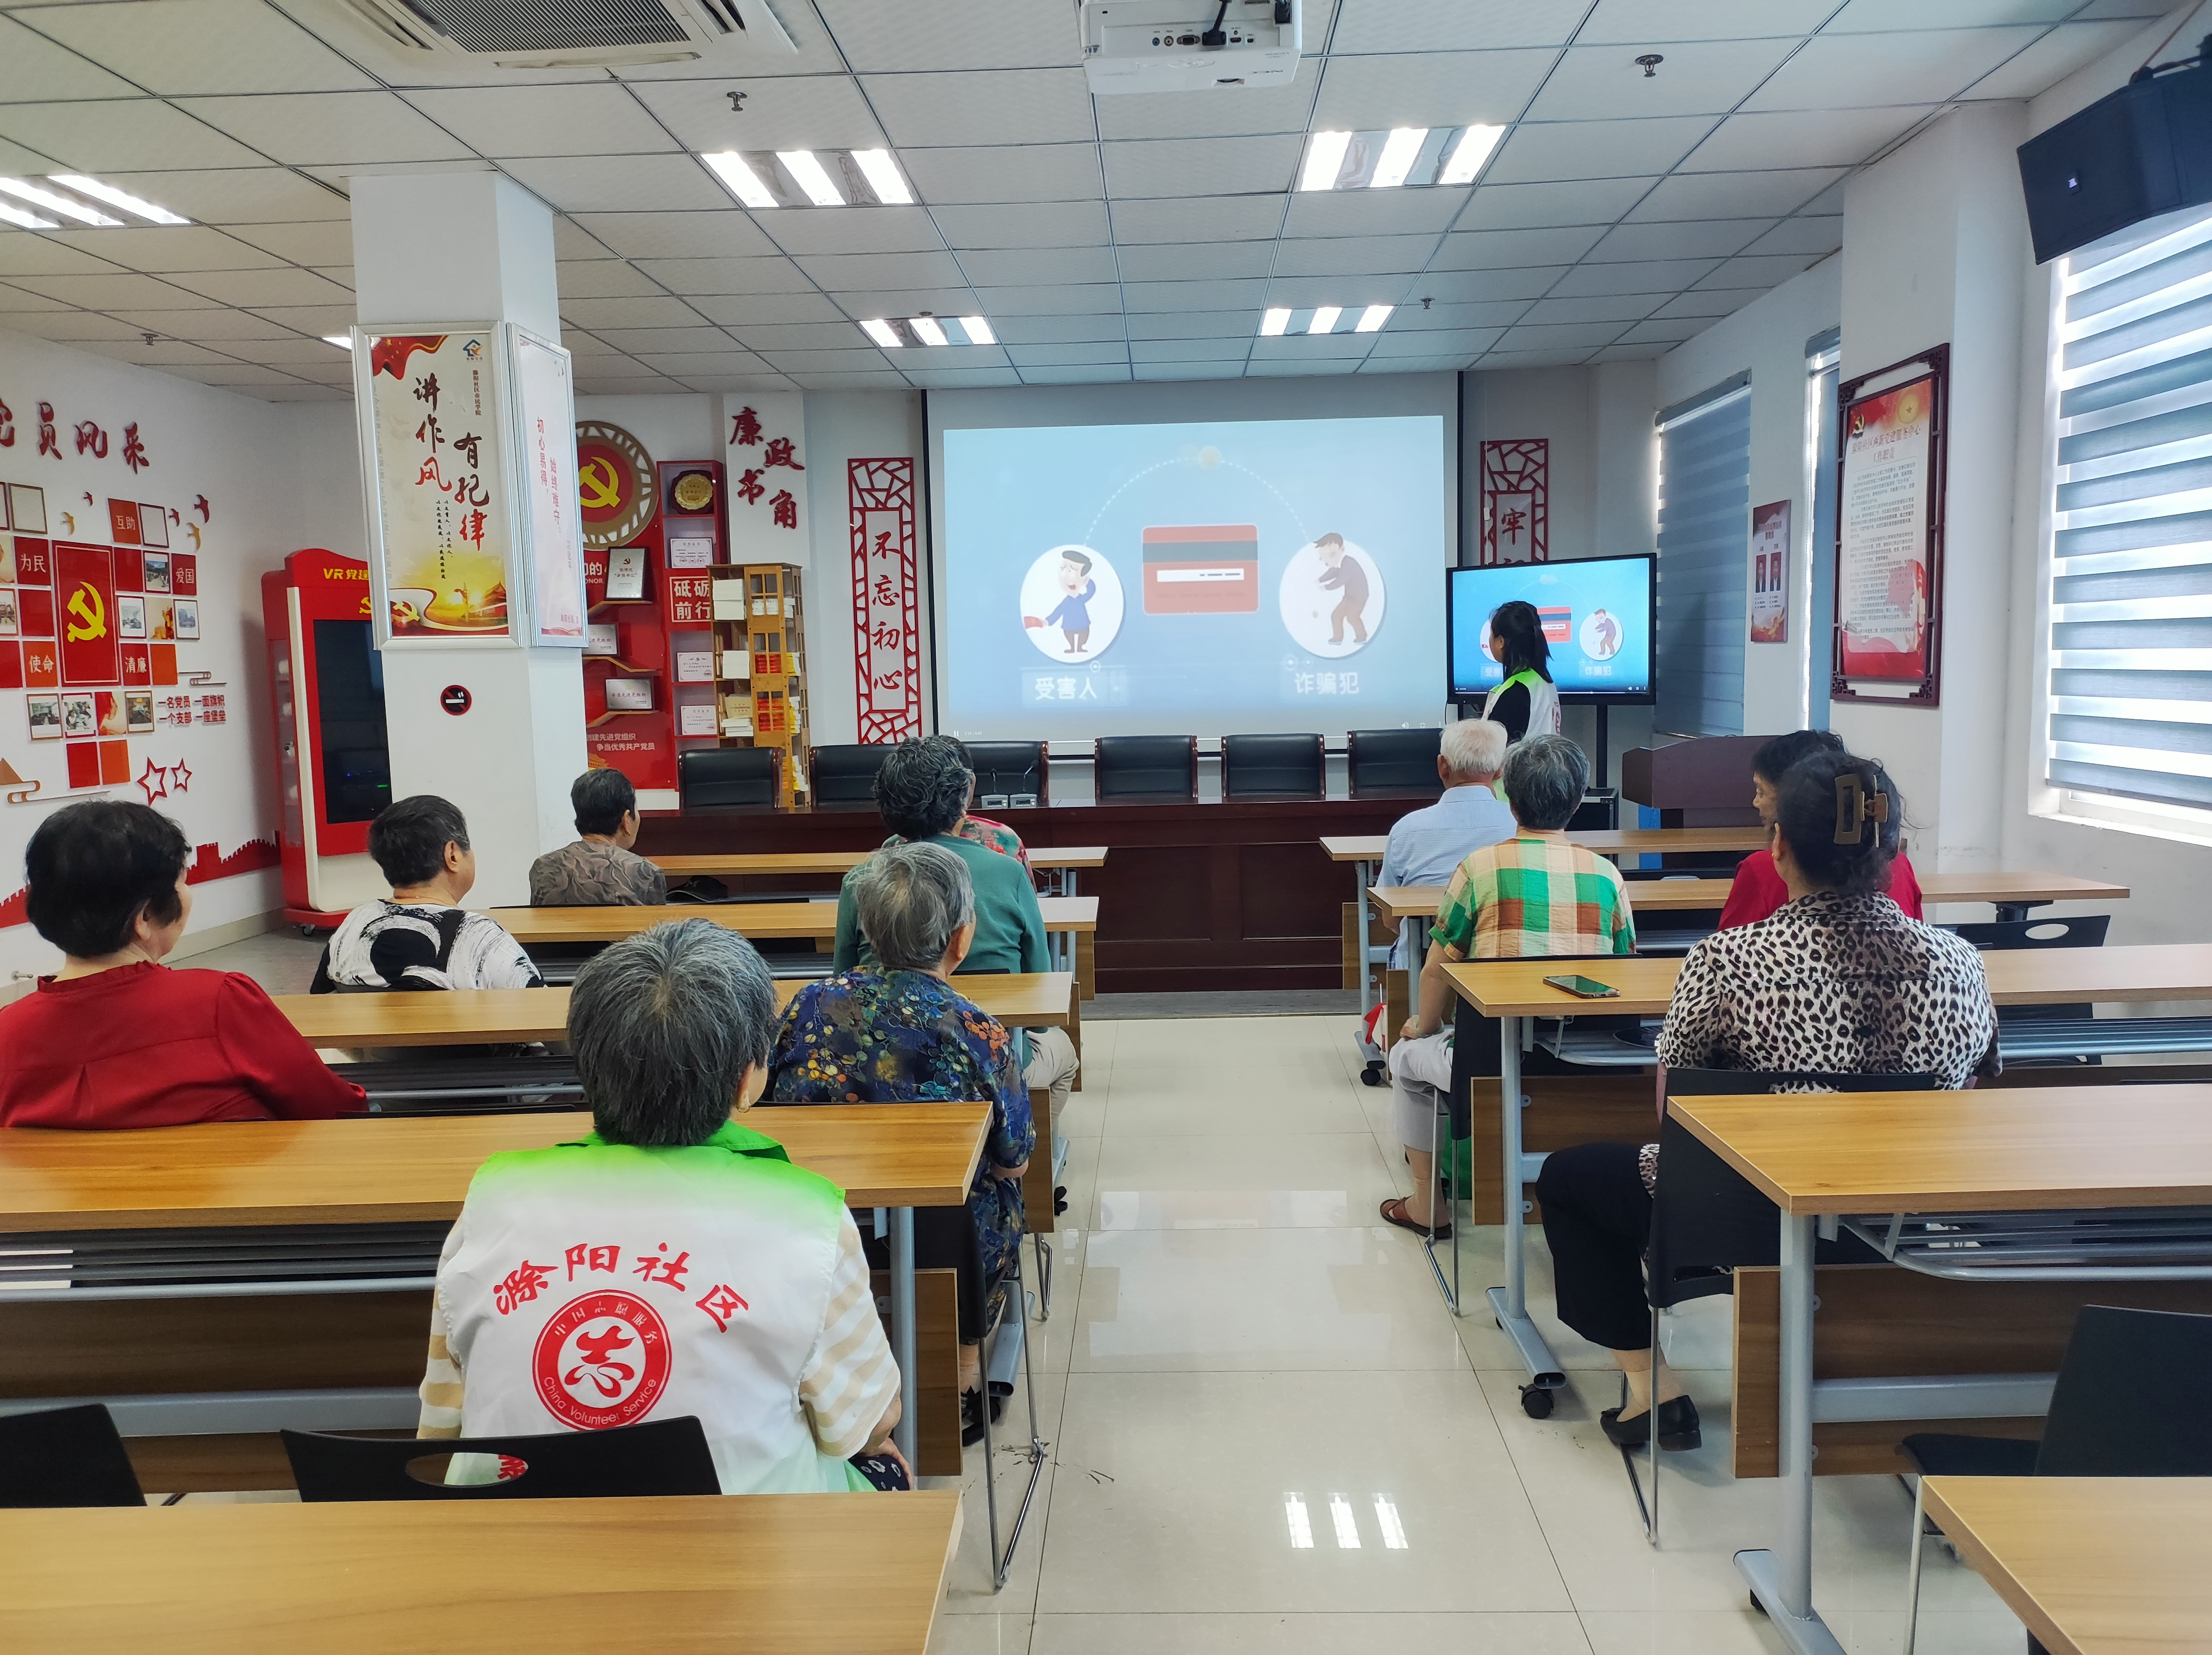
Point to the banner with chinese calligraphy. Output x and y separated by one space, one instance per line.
764 448
1889 534
546 405
442 528
886 628
1516 500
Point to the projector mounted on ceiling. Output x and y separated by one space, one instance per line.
1189 45
558 34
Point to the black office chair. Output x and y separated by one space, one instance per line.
2081 931
1009 775
1708 1220
1394 762
845 776
1161 768
720 777
662 1456
2129 1402
1272 766
65 1456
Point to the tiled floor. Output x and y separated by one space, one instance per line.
1236 1343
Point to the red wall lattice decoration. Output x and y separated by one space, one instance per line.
1516 500
886 575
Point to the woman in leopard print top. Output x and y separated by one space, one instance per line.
1838 982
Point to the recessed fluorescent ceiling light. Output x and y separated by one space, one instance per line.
28 220
979 331
1467 155
883 176
339 340
1324 318
1324 156
57 204
926 330
1398 154
730 167
1372 318
802 167
883 333
115 198
1273 321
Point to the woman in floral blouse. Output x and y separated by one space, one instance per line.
897 1032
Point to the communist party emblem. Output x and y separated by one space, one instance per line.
614 484
87 615
89 651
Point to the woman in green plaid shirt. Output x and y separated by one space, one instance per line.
1536 895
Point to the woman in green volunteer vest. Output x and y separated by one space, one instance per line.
1525 703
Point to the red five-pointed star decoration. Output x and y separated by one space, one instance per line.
181 780
154 781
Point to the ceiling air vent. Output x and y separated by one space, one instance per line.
551 33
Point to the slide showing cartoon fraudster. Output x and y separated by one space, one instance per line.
1282 572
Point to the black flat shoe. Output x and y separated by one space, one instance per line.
971 1412
1678 1427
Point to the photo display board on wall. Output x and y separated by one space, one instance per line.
1889 532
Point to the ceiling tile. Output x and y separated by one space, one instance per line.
67 326
202 45
504 122
834 271
1479 287
950 378
1803 137
1368 26
33 67
293 352
727 235
1195 166
1801 234
766 380
1542 206
1884 16
1058 330
1176 261
852 230
21 299
1412 318
1708 304
740 311
1192 295
1636 352
1428 89
1199 218
255 195
617 184
572 241
1709 78
1847 71
983 106
1640 22
1374 255
601 314
1036 224
1100 373
1188 370
115 292
1499 250
1180 115
330 129
1570 335
1619 309
327 243
1312 346
1463 343
259 287
604 278
160 249
1393 288
747 276
897 35
318 320
32 255
1372 212
1066 355
111 137
803 335
1761 273
682 365
1054 171
212 324
1301 367
668 341
1710 239
909 301
1550 152
1095 299
1731 195
1012 267
1672 329
879 379
1210 349
1239 323
832 361
2053 58
799 111
1652 276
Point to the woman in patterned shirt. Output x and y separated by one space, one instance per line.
897 1032
1839 982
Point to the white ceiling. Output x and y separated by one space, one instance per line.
1112 238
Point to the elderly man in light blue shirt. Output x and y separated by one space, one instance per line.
1427 845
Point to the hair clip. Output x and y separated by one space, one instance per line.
1855 806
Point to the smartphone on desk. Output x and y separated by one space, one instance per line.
1585 988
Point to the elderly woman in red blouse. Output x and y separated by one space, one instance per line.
115 1039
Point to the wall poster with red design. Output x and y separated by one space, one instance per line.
886 577
1889 533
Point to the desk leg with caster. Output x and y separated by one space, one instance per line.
902 1329
1781 1579
1510 1302
1369 989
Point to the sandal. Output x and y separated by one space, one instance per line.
1394 1212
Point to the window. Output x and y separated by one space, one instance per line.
1704 547
2131 644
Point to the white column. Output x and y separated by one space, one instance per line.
460 247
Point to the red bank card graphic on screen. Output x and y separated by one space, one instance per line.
1212 569
1558 623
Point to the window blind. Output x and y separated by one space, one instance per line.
1704 543
2130 685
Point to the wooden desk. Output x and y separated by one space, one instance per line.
2020 891
499 1016
771 1573
2094 1566
1605 841
1928 1153
755 864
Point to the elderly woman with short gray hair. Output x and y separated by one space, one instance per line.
1537 894
672 1262
896 1030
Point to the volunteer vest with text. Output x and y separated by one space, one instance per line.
597 1285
